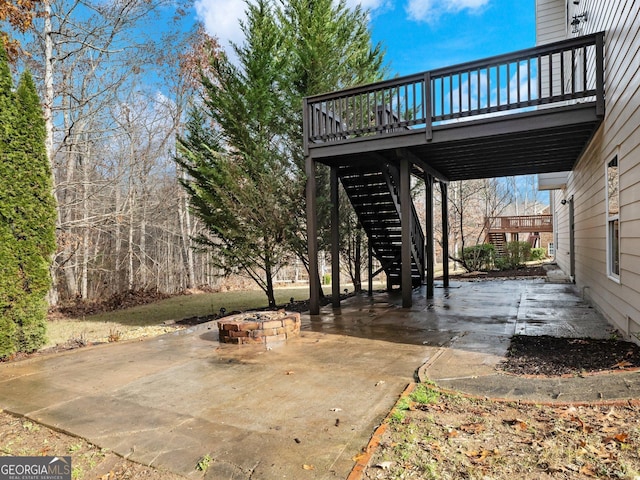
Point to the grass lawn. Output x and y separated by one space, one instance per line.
138 319
145 320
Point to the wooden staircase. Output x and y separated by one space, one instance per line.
374 193
498 239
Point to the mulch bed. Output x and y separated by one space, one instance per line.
552 356
528 271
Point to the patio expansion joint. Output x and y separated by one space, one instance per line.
520 324
33 413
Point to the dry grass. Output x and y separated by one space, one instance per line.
147 319
432 435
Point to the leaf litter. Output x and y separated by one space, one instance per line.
454 437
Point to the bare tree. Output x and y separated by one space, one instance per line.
470 202
110 172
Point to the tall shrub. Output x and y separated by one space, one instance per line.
516 254
478 257
27 216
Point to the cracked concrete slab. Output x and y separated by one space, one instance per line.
315 400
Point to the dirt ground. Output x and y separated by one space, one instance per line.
21 437
435 435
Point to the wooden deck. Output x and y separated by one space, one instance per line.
520 224
527 112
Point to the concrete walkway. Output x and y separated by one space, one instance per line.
265 414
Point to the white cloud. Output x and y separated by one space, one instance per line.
367 4
221 19
431 10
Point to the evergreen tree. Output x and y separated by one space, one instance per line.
247 178
9 290
27 216
239 184
330 48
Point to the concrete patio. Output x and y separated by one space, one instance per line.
314 401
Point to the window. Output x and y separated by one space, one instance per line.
613 219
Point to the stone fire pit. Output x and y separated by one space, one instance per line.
259 327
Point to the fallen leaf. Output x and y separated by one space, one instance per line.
359 456
587 470
623 364
473 428
585 428
435 446
308 467
620 438
612 413
480 456
451 433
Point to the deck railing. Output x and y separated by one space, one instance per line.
522 223
564 71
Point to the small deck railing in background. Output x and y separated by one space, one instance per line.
520 223
560 72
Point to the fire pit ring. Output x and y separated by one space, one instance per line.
259 327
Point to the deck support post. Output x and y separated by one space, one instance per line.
445 234
312 236
428 254
370 266
405 218
335 240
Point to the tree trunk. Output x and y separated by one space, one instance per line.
269 290
357 275
47 108
185 234
130 281
86 231
66 211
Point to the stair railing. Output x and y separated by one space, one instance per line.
417 235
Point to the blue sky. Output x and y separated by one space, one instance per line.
418 34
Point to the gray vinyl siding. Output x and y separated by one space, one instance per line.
618 135
551 23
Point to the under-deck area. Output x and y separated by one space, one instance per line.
528 112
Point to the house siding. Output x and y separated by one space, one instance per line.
619 134
551 23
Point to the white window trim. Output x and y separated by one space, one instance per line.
611 218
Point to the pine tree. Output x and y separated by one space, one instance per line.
239 183
330 48
247 177
27 216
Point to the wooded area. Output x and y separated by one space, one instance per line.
114 95
118 80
